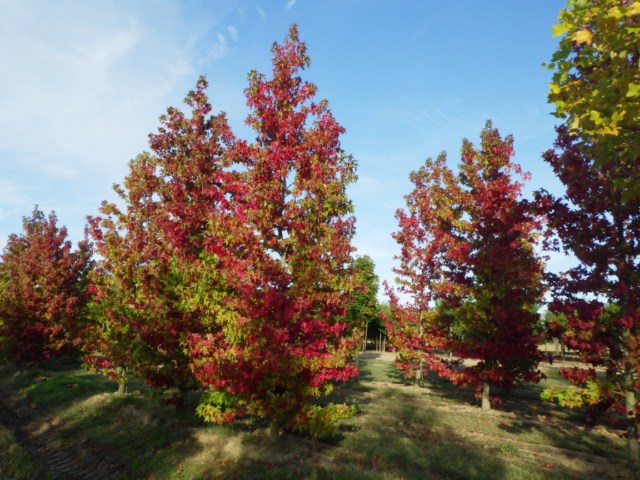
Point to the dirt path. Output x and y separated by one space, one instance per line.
70 459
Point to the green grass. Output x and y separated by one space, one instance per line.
15 461
400 431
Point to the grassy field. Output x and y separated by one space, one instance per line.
15 461
74 426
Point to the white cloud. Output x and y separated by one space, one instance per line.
261 12
83 85
218 50
290 3
233 32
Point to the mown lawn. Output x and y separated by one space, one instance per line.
400 431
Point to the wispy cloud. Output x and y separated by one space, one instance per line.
233 32
261 12
219 49
291 3
85 87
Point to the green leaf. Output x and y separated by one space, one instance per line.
595 117
560 29
630 192
615 12
633 90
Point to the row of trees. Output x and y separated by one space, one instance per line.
229 265
469 265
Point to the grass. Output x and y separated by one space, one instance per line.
399 432
15 461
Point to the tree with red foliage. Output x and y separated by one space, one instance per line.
178 207
286 338
426 245
600 298
469 267
42 290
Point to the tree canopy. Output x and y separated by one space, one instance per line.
468 263
42 290
596 84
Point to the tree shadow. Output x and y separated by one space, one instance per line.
397 432
401 437
157 437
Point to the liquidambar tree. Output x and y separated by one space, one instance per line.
287 338
468 264
600 297
42 290
177 208
596 84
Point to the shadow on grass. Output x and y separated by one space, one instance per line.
374 369
151 440
397 433
401 437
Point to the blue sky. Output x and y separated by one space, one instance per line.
84 83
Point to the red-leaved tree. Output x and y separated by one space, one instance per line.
469 269
600 298
428 244
177 214
286 339
42 290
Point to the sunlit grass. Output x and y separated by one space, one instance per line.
400 431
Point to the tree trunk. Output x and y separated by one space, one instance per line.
122 381
122 387
181 399
419 375
366 332
633 449
274 430
486 404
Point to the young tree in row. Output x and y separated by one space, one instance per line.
600 298
596 84
42 290
287 339
363 310
424 254
177 210
469 265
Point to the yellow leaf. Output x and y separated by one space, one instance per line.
582 36
555 89
634 9
609 130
